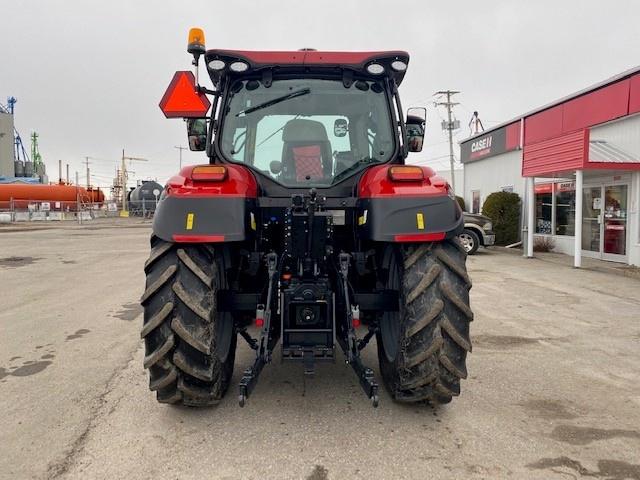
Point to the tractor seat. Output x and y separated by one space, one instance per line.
306 151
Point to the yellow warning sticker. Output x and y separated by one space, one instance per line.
253 222
190 217
420 220
362 219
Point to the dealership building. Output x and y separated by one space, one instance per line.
575 164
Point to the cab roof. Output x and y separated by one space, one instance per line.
309 60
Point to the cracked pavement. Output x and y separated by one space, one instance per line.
553 391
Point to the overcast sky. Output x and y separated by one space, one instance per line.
88 75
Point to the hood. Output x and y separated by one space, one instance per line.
475 217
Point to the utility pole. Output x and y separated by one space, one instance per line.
125 177
181 148
450 126
78 213
86 162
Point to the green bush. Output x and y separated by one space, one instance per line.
503 208
460 201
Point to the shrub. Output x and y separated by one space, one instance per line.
460 201
503 208
543 244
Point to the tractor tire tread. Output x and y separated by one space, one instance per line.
435 324
157 319
161 280
180 324
159 354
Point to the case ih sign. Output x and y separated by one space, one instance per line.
489 144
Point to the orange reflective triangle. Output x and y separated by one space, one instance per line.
181 99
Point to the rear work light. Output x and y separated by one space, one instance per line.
375 69
406 174
398 65
209 173
238 67
217 65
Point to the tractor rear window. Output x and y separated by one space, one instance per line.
309 132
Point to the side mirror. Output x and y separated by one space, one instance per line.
340 127
416 121
197 134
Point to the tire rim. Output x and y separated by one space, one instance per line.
390 322
467 241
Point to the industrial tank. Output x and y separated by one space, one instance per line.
22 194
142 199
19 168
95 195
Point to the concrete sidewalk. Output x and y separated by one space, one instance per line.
593 264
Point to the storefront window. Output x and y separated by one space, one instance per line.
544 205
565 208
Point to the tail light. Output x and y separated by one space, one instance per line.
209 173
406 174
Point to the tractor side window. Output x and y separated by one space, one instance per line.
239 141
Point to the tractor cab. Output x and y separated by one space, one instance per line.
310 120
301 119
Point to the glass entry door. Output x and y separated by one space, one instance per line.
604 222
591 219
615 222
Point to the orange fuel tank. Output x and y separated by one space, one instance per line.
95 195
21 194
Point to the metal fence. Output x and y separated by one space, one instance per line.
142 208
47 210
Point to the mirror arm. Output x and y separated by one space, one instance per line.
209 148
205 90
403 127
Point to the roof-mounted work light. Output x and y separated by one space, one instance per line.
375 69
217 65
239 67
399 65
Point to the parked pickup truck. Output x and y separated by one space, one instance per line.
478 231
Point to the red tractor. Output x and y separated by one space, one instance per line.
306 229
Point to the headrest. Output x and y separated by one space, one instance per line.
307 131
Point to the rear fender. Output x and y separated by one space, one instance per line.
415 211
207 212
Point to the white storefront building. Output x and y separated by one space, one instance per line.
587 143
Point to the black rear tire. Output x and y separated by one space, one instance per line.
422 349
189 346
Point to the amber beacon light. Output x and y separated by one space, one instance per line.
196 42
